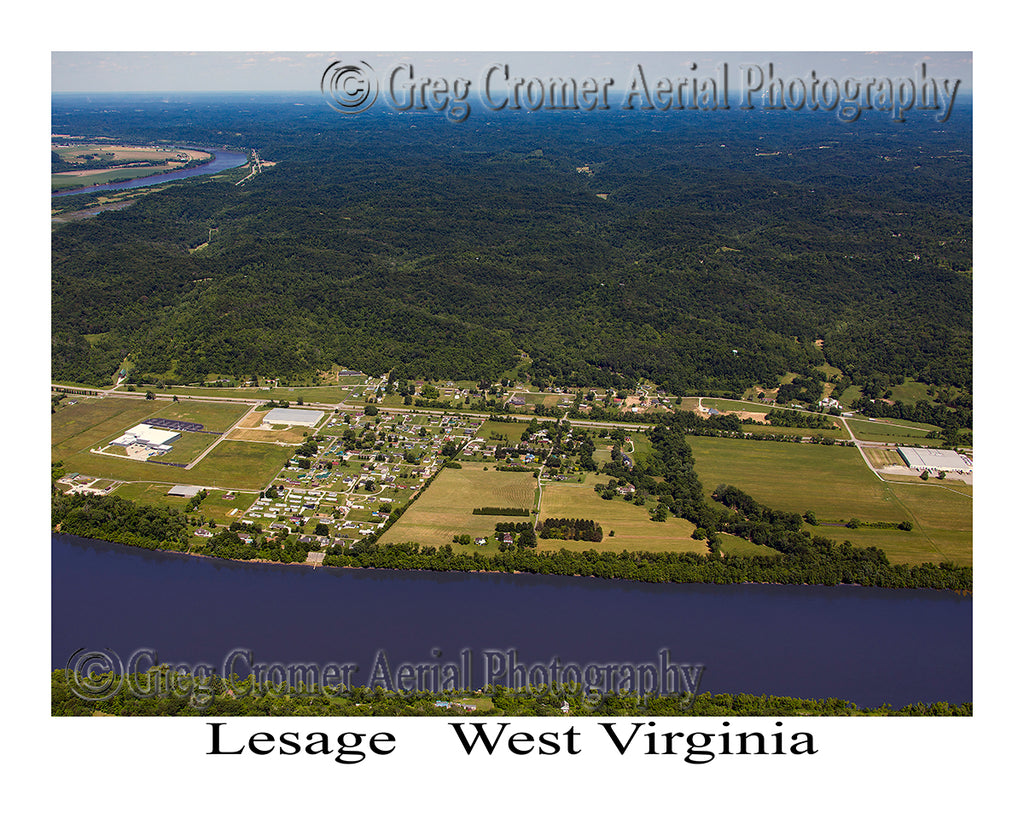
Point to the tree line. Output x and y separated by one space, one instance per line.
215 696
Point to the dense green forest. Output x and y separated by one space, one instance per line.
725 247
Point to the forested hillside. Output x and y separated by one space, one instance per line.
727 244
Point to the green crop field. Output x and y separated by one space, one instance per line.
832 481
445 509
836 485
633 527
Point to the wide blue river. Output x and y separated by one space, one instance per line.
871 646
222 161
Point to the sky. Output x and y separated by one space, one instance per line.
162 72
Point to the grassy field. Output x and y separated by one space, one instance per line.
95 422
633 527
729 405
849 395
232 464
808 432
238 464
836 485
910 392
733 545
445 509
215 417
832 481
514 431
215 505
894 432
548 399
185 449
828 370
151 494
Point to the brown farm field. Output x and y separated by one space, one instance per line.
634 530
445 509
249 430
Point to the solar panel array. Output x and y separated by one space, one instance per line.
181 426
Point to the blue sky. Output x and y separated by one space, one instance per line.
298 71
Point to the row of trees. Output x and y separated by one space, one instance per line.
822 563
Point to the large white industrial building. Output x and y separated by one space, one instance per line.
944 460
295 417
149 436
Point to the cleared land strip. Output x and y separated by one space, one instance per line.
219 438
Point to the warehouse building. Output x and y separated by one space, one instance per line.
943 460
295 417
147 436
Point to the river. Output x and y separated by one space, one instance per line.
222 161
871 646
